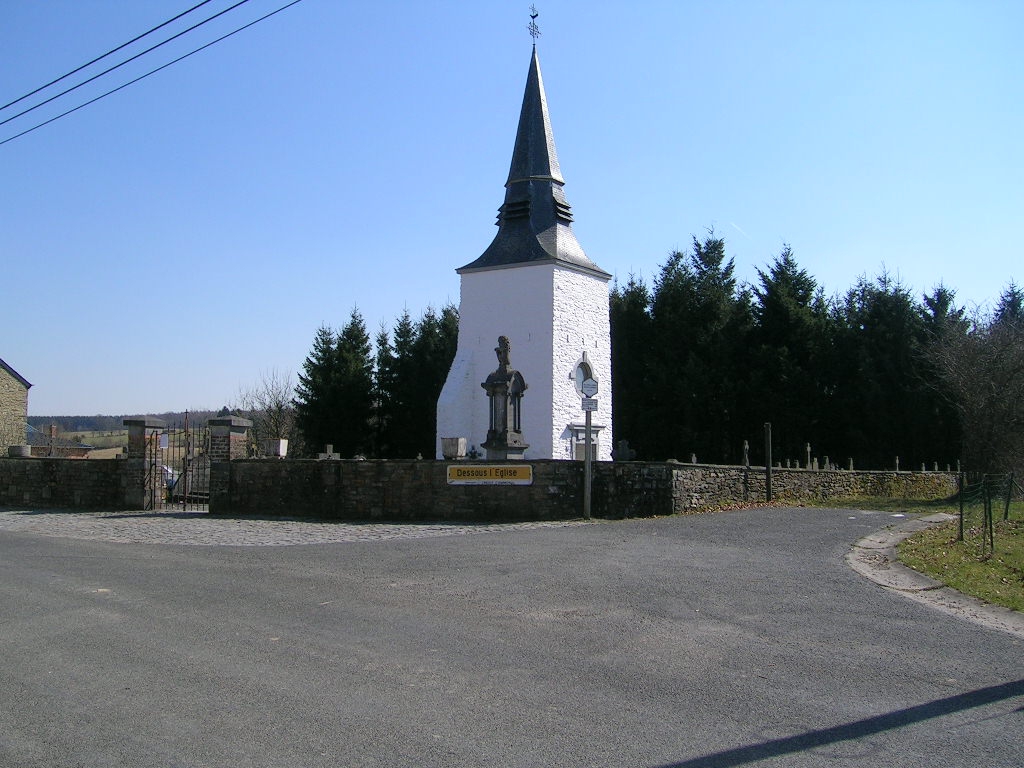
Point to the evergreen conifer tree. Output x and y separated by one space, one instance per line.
400 379
630 322
699 320
791 343
353 391
877 412
315 392
384 362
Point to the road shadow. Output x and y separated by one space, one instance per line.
857 729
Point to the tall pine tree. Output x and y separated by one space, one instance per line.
384 361
399 379
790 346
630 320
433 350
315 393
878 411
700 320
410 378
335 397
354 389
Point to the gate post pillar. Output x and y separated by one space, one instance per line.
229 440
144 481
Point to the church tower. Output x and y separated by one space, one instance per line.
535 286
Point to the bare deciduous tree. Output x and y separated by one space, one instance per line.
982 374
268 403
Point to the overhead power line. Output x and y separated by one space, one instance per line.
151 72
100 58
118 66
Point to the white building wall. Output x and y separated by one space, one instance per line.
580 320
551 315
514 302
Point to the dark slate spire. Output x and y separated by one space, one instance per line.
534 156
535 222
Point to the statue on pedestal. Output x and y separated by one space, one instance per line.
505 388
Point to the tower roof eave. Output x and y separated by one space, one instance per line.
524 248
591 270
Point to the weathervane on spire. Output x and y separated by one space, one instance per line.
534 29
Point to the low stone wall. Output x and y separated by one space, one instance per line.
87 484
822 485
418 490
702 486
389 490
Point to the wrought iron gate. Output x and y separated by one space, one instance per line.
184 467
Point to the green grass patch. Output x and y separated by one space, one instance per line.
993 576
966 566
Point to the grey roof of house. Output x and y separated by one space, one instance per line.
15 374
535 221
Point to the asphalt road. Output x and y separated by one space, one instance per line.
733 639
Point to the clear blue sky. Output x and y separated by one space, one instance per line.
164 246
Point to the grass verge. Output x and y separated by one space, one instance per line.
995 576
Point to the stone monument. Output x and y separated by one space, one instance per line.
505 387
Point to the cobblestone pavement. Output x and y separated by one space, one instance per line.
200 529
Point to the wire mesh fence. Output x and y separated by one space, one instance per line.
990 504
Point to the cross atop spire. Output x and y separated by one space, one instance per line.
532 26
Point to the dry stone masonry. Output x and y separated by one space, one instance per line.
13 407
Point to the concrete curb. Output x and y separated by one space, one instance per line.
874 557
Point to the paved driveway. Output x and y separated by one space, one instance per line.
721 640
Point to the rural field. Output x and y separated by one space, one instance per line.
100 439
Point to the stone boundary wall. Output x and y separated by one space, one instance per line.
58 482
389 490
697 487
417 490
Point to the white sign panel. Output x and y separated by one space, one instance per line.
589 404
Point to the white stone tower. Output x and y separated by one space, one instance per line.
535 285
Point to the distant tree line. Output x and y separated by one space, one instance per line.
700 362
113 423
